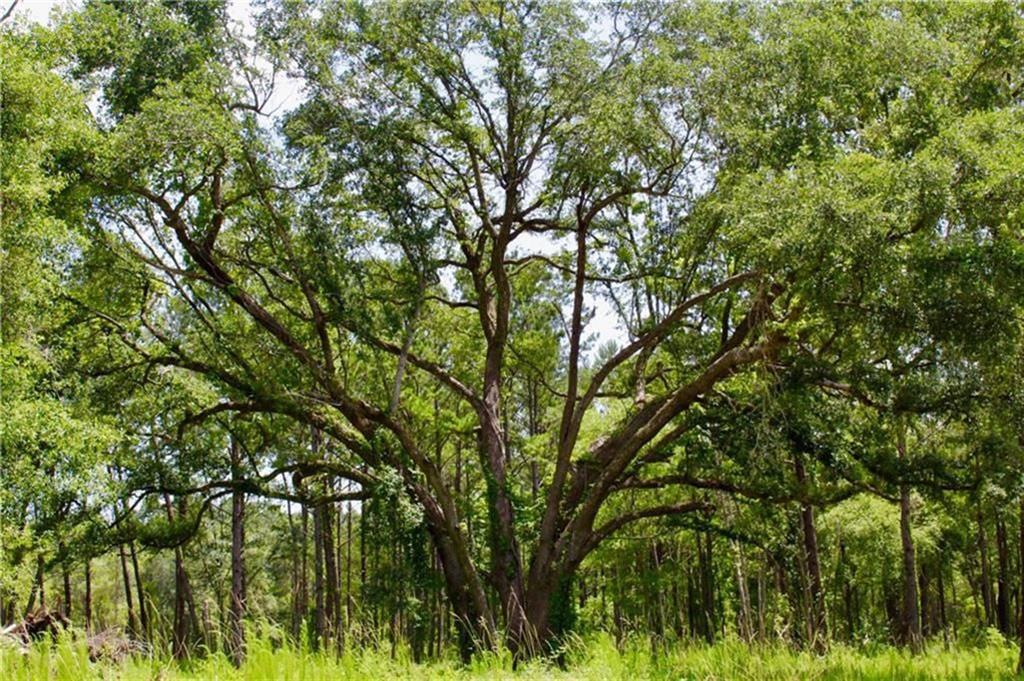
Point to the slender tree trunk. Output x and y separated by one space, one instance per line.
657 549
1003 579
87 602
943 622
745 616
911 617
923 587
349 597
1020 600
762 587
38 586
143 610
181 619
339 545
911 623
41 580
190 602
238 595
133 627
851 627
331 570
331 600
209 638
707 587
303 596
179 637
319 613
952 599
67 590
296 616
816 594
987 596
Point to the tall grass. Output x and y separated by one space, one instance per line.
598 659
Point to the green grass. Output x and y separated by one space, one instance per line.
598 659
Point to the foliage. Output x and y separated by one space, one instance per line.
596 659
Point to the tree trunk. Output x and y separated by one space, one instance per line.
67 590
179 636
468 602
762 587
296 609
238 596
923 588
209 636
319 614
143 610
87 602
943 622
816 595
303 595
911 617
1020 600
851 626
349 597
38 586
746 619
332 601
133 627
506 569
339 573
659 592
707 587
911 621
1003 579
987 597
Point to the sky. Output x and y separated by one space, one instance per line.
39 10
34 10
604 325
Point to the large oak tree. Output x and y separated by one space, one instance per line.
465 192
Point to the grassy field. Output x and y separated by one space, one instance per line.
599 659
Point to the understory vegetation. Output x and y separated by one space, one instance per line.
598 659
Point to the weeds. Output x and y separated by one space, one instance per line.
597 658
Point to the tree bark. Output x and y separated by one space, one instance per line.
987 596
851 627
38 586
179 636
816 595
238 585
87 601
143 610
133 627
707 587
911 621
319 613
67 590
303 595
349 596
331 599
296 608
1020 600
1003 620
746 619
923 588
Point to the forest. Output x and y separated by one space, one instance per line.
519 339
